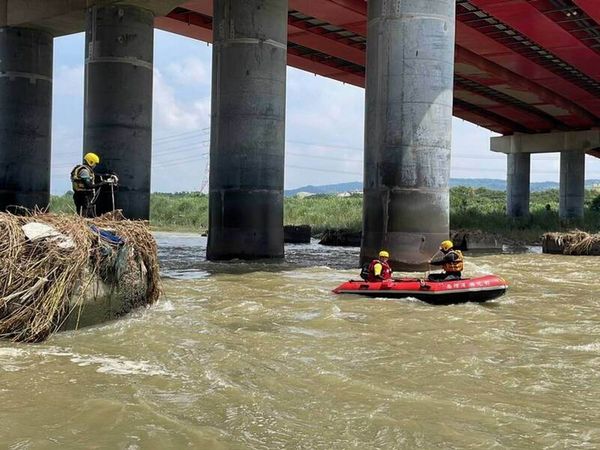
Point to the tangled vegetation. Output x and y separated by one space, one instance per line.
573 243
43 280
168 212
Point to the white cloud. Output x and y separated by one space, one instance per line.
592 168
471 154
68 81
173 115
67 120
324 126
324 131
180 129
190 71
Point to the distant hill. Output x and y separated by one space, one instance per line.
327 188
500 185
488 183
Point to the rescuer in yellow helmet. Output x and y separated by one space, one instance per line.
378 269
83 181
451 260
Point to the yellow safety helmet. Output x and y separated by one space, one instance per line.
92 159
384 254
446 245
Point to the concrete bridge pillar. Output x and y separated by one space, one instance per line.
409 85
517 184
572 185
247 129
118 102
25 117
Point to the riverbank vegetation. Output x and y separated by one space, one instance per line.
470 208
186 211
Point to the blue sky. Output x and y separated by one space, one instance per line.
324 131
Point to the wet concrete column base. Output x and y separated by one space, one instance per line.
247 130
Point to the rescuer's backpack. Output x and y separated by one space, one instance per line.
364 271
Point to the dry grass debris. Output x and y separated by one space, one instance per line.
575 242
42 282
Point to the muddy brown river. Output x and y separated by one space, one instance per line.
264 356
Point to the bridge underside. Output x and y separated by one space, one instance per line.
526 66
520 68
530 66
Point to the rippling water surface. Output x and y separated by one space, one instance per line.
263 356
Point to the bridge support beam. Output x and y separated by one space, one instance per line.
118 102
572 185
247 129
25 117
557 141
572 145
517 184
409 84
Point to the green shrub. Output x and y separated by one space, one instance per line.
595 204
470 208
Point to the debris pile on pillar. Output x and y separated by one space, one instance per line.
297 234
341 238
571 243
64 272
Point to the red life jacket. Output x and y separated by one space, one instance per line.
386 271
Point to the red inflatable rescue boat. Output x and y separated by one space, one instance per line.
478 289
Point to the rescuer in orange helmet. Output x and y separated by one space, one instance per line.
451 260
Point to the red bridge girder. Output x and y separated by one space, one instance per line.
522 69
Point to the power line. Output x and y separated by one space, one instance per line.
315 144
453 155
202 156
313 169
331 158
178 149
180 161
163 138
189 139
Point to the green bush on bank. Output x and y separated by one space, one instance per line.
470 208
185 211
181 211
485 210
62 204
324 211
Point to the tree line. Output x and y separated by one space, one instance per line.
470 208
